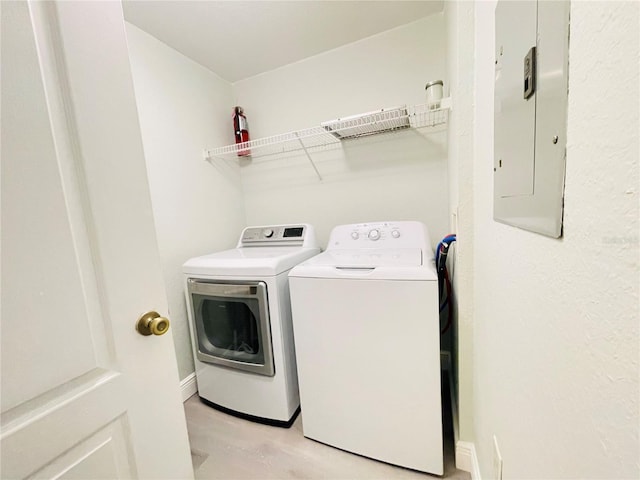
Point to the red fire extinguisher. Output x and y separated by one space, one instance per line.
241 130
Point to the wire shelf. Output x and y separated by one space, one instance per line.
334 131
423 116
282 143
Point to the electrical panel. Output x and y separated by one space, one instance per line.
530 115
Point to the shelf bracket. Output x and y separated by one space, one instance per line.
308 156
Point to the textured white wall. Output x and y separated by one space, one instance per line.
556 321
198 208
401 176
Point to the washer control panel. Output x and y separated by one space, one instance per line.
402 234
375 232
277 233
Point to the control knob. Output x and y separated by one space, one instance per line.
355 235
374 234
267 232
395 233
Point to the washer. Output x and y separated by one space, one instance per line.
366 324
240 317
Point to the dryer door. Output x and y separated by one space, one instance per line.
231 324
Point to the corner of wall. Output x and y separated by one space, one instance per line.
459 17
198 207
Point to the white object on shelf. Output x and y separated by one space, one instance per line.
380 121
335 131
434 94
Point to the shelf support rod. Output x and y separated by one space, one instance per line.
308 156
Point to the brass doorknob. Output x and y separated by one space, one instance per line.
151 323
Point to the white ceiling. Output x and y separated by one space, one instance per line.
239 39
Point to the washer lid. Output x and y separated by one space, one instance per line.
250 261
369 264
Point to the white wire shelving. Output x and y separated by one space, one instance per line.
333 132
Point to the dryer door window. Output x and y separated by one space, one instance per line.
232 327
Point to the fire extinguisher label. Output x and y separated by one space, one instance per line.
242 123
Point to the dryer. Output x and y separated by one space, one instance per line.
366 325
240 318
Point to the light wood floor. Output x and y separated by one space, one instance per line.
226 447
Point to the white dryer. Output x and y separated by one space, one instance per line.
366 325
240 317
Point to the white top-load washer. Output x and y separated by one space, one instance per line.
240 317
366 326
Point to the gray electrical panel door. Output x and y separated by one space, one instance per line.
530 116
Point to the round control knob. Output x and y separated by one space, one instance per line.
395 234
355 235
374 234
267 232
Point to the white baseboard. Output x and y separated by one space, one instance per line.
467 460
465 456
188 386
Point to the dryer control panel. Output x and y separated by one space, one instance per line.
406 234
301 235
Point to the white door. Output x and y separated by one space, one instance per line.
83 394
